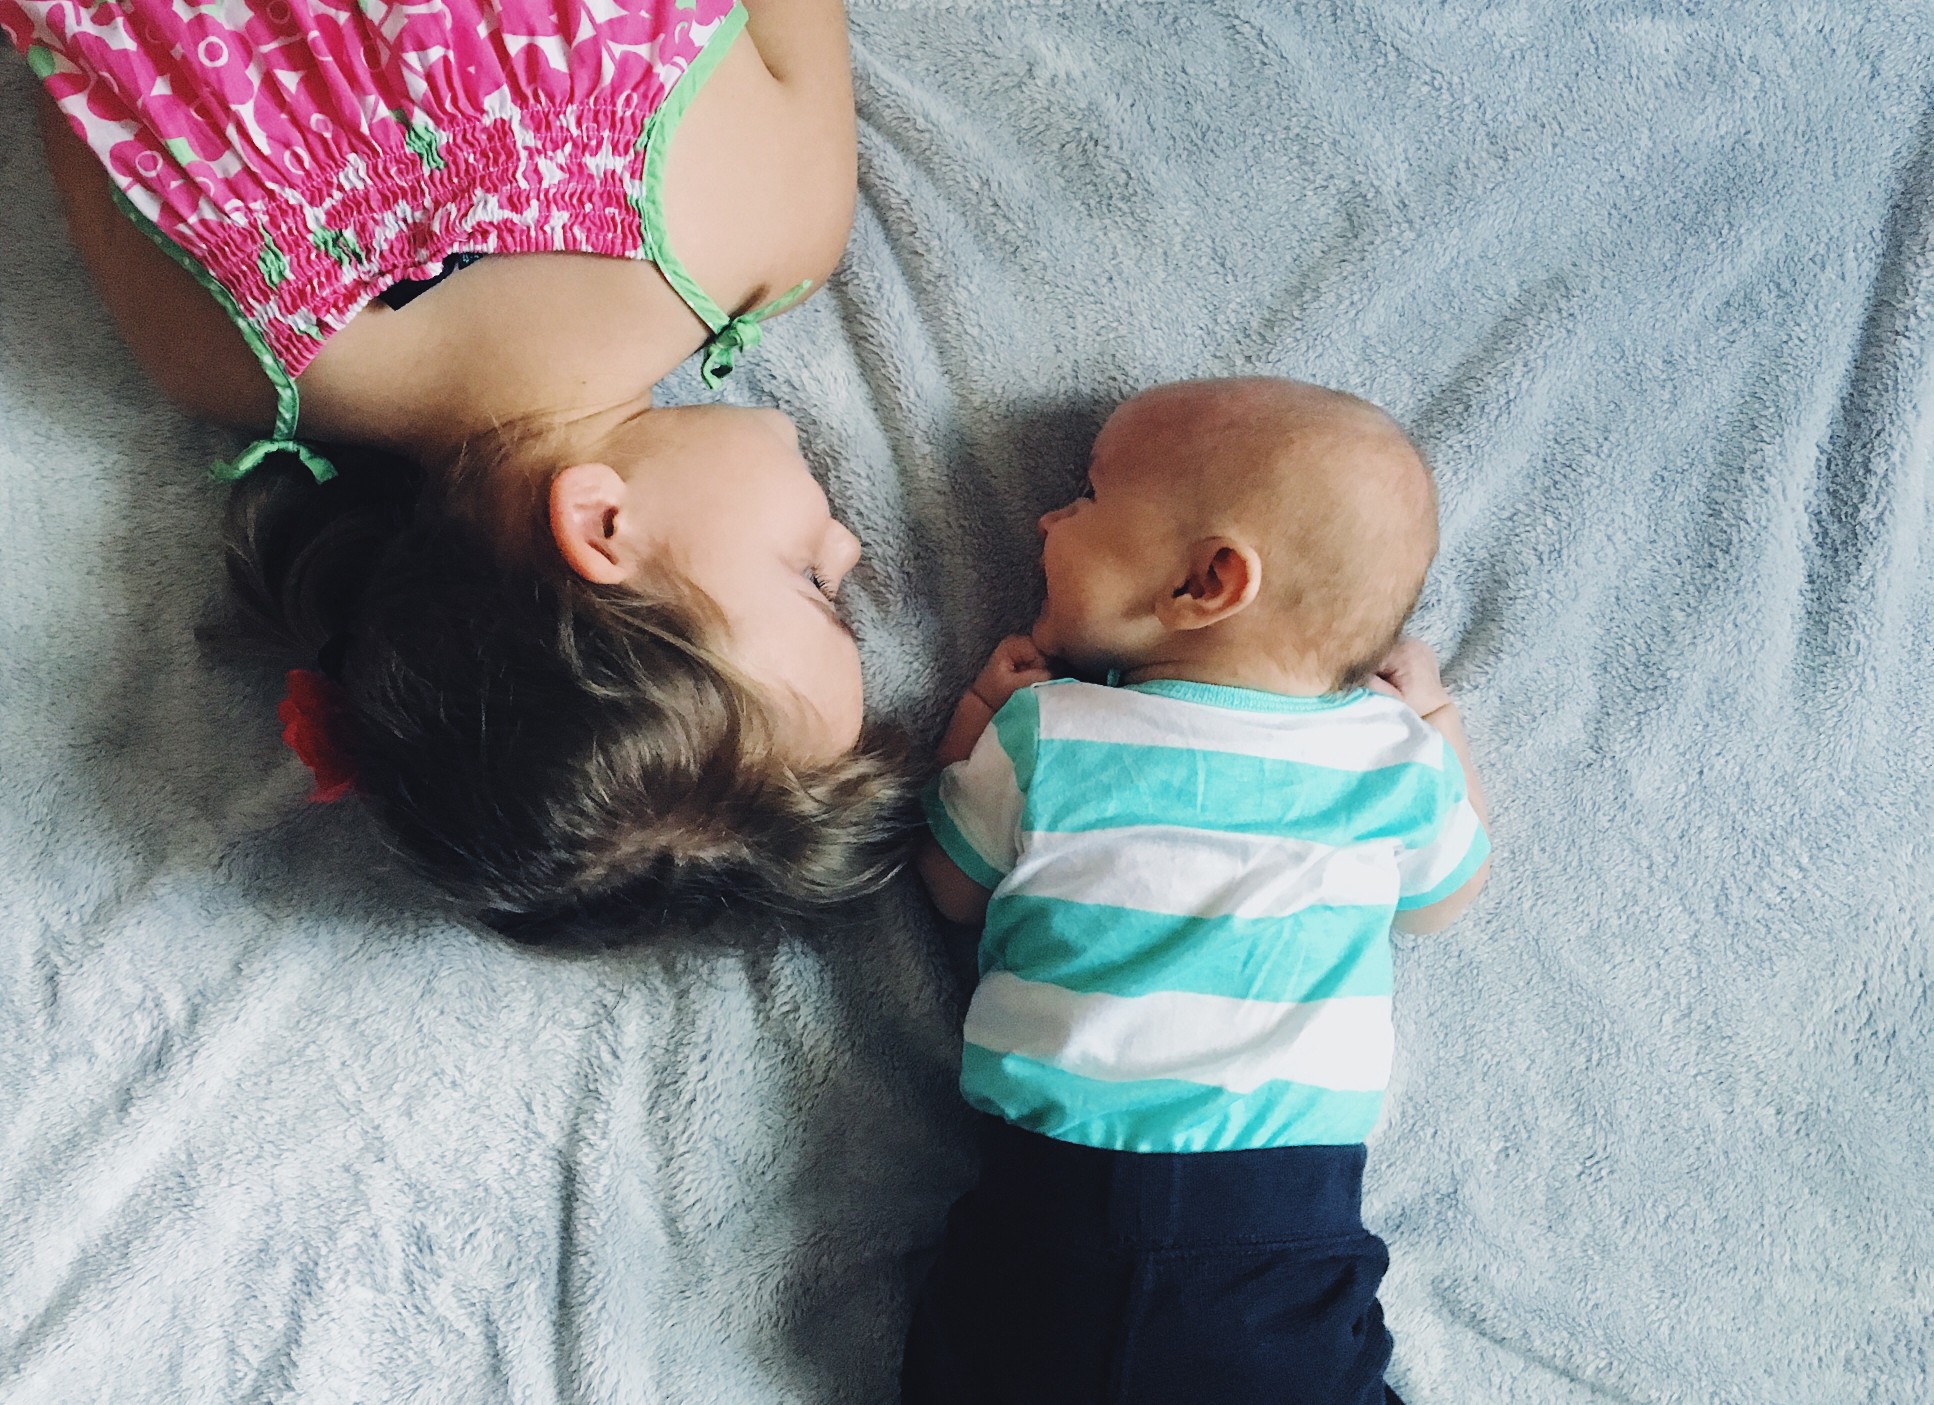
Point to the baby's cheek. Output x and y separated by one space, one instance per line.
1061 604
1067 582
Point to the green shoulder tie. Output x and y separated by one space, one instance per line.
742 333
288 403
730 335
244 462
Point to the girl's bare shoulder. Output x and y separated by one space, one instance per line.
760 180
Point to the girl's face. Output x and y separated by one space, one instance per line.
722 496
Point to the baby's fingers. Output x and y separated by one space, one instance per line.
1017 654
1413 657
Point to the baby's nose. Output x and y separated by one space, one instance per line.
1048 519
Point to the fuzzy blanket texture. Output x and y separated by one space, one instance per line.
1654 285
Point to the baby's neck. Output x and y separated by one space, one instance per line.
1262 675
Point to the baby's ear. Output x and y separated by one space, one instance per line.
1224 575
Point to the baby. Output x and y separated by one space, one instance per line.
1187 877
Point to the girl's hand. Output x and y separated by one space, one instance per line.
1015 664
1409 673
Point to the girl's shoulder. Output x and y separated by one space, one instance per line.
177 333
761 176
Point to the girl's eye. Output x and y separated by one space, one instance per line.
820 583
1087 489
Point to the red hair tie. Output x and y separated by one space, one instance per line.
312 720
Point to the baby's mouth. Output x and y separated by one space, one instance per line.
1042 637
1044 640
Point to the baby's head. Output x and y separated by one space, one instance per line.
1258 531
590 679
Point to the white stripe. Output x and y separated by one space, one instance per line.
1203 873
1343 1044
1372 732
984 800
1424 868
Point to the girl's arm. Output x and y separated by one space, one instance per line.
803 43
767 181
178 334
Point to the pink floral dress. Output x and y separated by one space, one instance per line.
300 156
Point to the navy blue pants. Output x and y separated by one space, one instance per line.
1072 1276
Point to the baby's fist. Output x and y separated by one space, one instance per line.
1015 664
1409 672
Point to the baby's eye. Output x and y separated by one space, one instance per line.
1087 488
820 583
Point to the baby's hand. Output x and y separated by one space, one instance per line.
1409 673
1014 665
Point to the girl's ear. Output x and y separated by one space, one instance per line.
1224 576
588 502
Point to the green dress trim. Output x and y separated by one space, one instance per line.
288 401
730 334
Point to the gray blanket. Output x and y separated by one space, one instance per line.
1654 284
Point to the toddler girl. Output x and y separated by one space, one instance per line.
576 651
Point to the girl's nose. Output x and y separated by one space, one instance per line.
1048 519
841 551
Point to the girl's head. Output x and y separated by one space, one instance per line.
718 498
584 686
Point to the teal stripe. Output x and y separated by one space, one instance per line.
1161 1114
1017 726
1089 785
1245 699
1318 954
1473 860
1454 782
953 843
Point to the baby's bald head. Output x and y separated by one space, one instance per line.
1342 500
1328 490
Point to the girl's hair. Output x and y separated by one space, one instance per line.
562 758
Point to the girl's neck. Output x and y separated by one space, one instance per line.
539 338
556 437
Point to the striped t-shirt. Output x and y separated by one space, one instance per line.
1188 938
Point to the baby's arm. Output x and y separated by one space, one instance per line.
1015 664
1410 672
